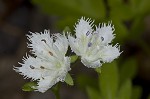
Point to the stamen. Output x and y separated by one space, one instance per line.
50 53
89 44
32 67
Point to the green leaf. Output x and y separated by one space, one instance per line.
135 5
84 80
140 7
128 70
90 8
57 7
136 92
114 3
137 28
121 30
30 86
144 7
69 80
109 80
122 12
98 9
67 20
125 90
93 93
73 58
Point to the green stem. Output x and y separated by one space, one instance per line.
57 95
55 90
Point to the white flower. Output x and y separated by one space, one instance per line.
105 32
49 64
93 45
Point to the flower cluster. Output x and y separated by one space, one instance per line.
48 63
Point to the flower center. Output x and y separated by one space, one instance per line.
87 33
89 44
102 38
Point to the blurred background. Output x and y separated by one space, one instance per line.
128 77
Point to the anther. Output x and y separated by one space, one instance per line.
50 53
42 77
32 67
102 38
89 44
43 40
42 67
87 33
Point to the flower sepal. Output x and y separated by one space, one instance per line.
29 86
98 70
69 80
73 58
